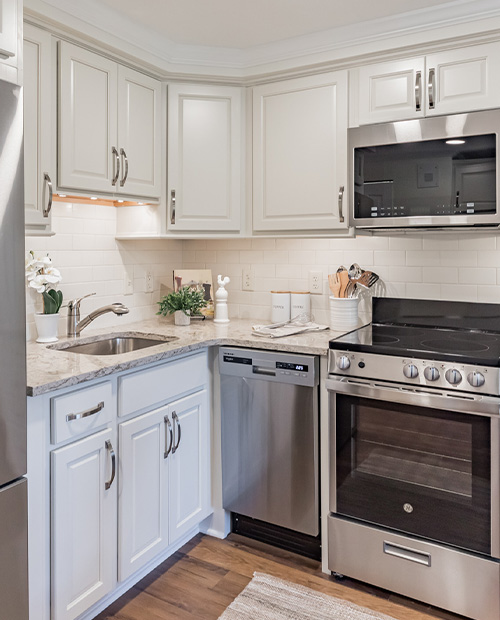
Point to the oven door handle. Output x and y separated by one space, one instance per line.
474 404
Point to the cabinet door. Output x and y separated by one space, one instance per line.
83 524
387 91
8 28
204 157
463 80
38 102
139 133
87 137
190 464
143 508
299 153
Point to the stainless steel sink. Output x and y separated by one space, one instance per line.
114 345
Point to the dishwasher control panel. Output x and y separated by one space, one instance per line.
269 365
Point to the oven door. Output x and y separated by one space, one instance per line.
421 462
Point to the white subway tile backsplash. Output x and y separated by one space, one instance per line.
420 265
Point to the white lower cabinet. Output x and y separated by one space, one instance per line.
165 489
83 524
111 496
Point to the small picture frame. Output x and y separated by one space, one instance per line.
200 279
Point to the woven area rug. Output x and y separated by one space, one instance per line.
270 598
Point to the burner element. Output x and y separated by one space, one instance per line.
383 339
454 346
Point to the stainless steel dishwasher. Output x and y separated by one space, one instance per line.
270 464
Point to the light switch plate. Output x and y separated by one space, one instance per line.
128 283
149 282
247 278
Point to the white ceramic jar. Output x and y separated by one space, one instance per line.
300 305
280 306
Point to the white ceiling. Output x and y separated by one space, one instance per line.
243 24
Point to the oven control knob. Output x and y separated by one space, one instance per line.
343 362
431 373
476 379
410 371
453 376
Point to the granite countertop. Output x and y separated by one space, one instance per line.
50 369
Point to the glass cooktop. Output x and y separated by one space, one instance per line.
423 343
464 332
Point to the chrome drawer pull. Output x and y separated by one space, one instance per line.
178 424
406 553
341 198
125 167
116 167
418 91
85 414
170 442
431 87
109 447
47 183
172 206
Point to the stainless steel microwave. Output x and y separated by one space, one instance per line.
430 173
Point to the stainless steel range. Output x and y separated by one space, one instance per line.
414 403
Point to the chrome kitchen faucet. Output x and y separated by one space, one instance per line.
75 325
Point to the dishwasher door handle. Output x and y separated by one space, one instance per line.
262 370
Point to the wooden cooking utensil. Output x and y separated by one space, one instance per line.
344 282
334 284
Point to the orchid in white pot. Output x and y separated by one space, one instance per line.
44 277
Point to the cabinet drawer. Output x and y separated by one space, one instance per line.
142 390
80 411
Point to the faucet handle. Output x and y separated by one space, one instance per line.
74 304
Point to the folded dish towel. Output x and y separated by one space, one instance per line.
280 330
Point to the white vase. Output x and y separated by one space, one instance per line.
181 319
46 326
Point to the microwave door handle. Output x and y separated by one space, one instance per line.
418 91
341 198
432 88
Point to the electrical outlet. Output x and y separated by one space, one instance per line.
316 282
247 280
128 283
149 282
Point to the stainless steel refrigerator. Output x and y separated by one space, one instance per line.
13 484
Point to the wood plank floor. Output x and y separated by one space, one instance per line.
203 577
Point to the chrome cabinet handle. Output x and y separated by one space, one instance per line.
341 199
418 91
125 166
85 414
109 448
168 427
431 87
116 167
172 206
47 183
175 418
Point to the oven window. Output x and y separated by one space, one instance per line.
418 470
428 178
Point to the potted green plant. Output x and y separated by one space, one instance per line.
183 304
43 277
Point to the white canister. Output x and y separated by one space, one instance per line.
280 306
300 305
344 313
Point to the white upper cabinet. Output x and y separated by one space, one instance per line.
299 154
139 122
8 28
204 157
38 106
108 126
461 80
